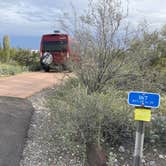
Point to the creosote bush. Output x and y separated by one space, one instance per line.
81 118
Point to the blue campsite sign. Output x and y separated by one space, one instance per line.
144 99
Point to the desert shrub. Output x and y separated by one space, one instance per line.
156 131
34 65
162 108
21 57
26 58
159 129
9 69
81 118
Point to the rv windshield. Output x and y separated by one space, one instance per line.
54 46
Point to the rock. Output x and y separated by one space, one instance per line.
152 141
161 156
116 164
122 158
128 151
151 163
143 161
115 160
155 150
121 149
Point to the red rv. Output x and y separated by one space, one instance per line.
56 49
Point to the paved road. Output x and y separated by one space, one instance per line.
15 116
16 111
26 84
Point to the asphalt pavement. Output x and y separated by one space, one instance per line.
15 117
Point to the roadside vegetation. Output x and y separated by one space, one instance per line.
16 60
90 113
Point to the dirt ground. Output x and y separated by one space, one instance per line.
26 84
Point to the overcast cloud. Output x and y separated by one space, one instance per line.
151 10
35 17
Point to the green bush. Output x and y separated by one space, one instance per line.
81 118
26 58
162 107
22 57
9 69
156 131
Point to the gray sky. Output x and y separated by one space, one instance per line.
151 10
35 17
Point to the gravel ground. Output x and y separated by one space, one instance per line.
39 151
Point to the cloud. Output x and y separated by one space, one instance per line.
35 17
22 17
152 11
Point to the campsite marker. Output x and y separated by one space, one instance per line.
143 103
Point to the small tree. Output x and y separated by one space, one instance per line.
102 40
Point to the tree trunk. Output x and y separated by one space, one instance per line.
95 155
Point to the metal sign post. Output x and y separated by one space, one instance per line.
138 152
143 103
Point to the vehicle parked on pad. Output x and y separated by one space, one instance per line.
56 50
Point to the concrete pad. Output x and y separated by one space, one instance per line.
15 116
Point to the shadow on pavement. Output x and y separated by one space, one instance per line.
15 116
